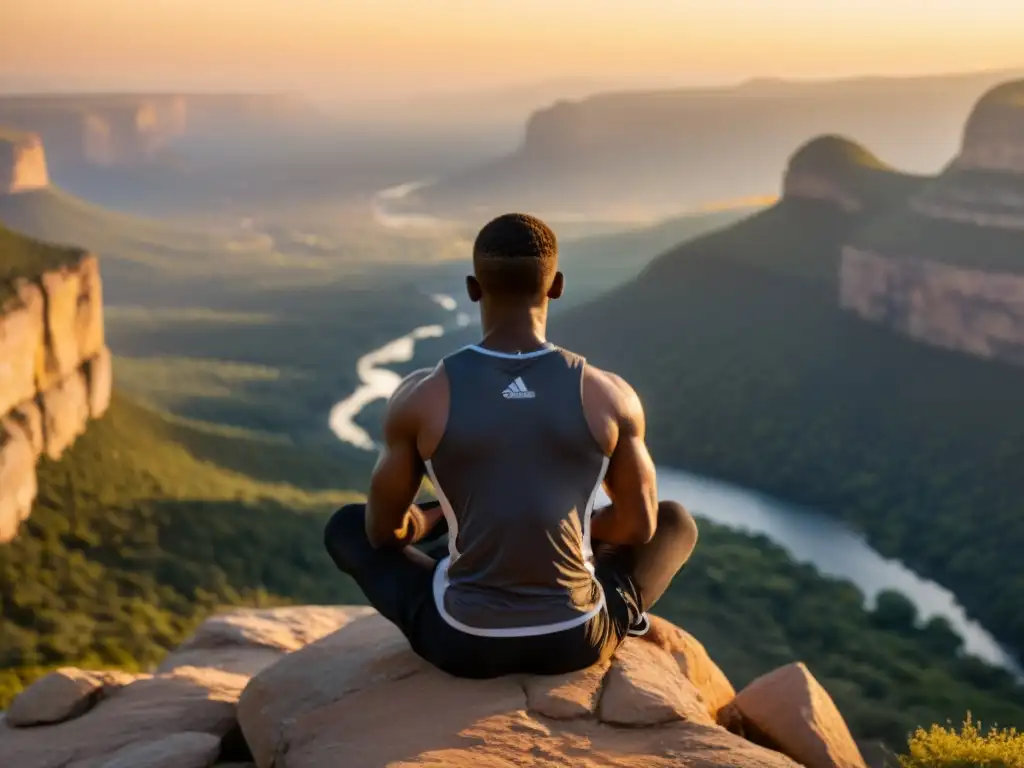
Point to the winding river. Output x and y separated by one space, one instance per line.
808 536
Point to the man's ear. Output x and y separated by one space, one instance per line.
557 286
473 289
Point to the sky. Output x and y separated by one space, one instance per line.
361 48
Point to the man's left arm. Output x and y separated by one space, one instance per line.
392 520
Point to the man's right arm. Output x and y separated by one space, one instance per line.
630 480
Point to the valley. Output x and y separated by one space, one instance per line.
847 431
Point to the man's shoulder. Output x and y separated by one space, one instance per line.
419 384
613 390
610 381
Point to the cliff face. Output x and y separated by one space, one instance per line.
973 311
132 129
22 163
949 269
56 375
99 130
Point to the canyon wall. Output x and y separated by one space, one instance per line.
55 375
972 311
103 131
22 163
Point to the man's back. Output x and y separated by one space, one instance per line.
517 436
517 471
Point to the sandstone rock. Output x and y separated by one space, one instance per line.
90 332
65 413
363 694
146 710
285 629
246 641
22 339
694 662
179 750
564 697
239 661
971 311
788 710
99 376
367 652
18 486
62 695
646 687
22 164
74 318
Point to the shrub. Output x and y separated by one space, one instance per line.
970 748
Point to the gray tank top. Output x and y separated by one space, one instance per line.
517 472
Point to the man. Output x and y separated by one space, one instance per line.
517 436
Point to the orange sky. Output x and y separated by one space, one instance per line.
359 46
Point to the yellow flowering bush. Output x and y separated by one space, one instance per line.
941 747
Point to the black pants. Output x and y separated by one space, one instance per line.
633 578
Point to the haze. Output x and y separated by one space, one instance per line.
363 49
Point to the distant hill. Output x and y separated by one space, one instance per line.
947 267
57 216
665 151
756 366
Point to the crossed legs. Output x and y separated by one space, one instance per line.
389 577
650 567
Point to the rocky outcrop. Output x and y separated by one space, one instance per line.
145 711
56 375
994 134
62 695
22 163
958 284
344 695
973 311
345 688
826 168
984 185
789 711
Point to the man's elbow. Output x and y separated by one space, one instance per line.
641 527
645 526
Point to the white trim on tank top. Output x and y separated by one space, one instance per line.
441 583
548 347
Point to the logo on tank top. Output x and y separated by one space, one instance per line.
517 390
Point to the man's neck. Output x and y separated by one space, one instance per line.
513 329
